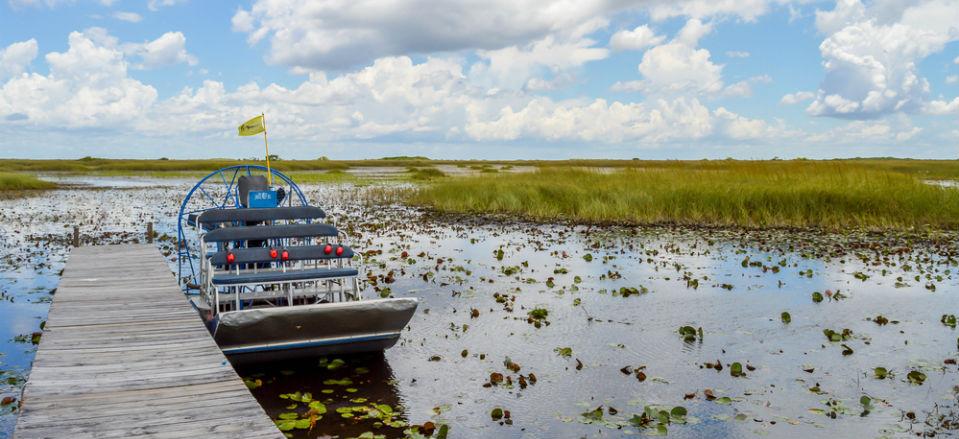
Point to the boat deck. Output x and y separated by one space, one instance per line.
123 354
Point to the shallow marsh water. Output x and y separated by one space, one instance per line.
480 280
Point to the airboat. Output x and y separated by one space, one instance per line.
270 278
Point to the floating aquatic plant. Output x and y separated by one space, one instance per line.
691 334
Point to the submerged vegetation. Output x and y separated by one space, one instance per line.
12 181
830 195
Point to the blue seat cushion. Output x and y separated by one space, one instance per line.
266 277
265 232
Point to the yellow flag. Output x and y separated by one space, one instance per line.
252 126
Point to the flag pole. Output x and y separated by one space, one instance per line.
269 173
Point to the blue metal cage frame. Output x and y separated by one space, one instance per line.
228 178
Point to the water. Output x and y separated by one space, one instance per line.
734 285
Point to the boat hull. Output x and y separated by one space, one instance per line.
302 331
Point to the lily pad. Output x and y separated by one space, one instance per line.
691 334
285 425
538 314
949 320
736 370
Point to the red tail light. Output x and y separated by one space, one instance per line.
230 258
285 256
273 253
328 249
339 250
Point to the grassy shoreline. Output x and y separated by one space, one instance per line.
15 181
930 169
823 195
872 194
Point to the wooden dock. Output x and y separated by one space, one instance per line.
123 354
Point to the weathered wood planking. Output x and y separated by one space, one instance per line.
124 355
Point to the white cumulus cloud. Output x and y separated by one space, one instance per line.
797 97
871 54
596 121
888 131
637 39
15 58
747 10
168 49
514 66
844 13
737 127
745 88
87 86
679 66
434 100
242 21
941 107
393 96
331 34
337 34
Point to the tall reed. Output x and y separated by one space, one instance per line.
831 195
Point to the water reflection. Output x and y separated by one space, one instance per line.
358 393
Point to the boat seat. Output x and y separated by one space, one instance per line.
227 297
212 218
255 255
267 277
265 232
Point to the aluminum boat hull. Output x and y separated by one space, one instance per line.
303 331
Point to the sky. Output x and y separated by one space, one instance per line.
480 79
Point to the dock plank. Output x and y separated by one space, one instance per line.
123 354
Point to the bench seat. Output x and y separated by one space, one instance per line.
213 217
267 277
280 294
262 233
255 255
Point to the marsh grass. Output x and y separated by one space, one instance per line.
835 194
424 174
412 174
13 181
805 194
332 176
187 175
929 169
